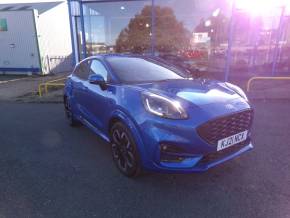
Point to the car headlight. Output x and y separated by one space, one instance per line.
163 106
238 90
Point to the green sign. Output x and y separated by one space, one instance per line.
3 25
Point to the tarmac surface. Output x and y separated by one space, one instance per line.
48 169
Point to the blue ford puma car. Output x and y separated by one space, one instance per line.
155 117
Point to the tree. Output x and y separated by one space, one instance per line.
170 34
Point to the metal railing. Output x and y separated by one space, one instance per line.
58 64
51 83
250 81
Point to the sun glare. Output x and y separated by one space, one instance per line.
260 7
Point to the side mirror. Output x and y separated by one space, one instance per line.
98 80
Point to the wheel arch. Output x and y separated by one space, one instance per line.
120 116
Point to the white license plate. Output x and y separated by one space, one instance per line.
232 140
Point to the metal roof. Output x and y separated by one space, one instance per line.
39 6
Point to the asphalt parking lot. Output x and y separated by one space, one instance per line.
48 169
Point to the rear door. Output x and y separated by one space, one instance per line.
80 89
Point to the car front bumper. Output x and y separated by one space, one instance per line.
172 146
197 164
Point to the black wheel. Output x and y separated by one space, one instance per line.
69 114
124 150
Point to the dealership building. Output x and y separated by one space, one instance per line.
33 36
215 36
210 35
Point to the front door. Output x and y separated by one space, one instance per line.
96 103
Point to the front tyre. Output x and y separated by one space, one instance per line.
124 151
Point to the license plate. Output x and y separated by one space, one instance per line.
232 140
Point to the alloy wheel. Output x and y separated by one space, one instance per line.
123 150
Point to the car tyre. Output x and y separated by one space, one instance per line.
124 150
69 114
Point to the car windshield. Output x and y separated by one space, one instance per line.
142 69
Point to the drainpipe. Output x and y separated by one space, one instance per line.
84 49
71 33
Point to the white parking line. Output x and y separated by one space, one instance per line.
12 80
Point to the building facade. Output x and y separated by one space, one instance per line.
32 35
215 36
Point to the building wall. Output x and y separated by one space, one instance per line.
18 45
54 35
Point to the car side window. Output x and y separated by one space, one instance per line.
98 68
83 70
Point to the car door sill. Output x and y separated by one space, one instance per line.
94 129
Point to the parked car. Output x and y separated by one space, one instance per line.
184 64
155 118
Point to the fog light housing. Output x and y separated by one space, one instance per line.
171 153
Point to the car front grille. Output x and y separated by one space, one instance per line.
226 126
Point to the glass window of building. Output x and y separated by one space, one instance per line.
117 27
193 33
206 38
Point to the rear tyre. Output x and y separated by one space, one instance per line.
69 114
124 150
